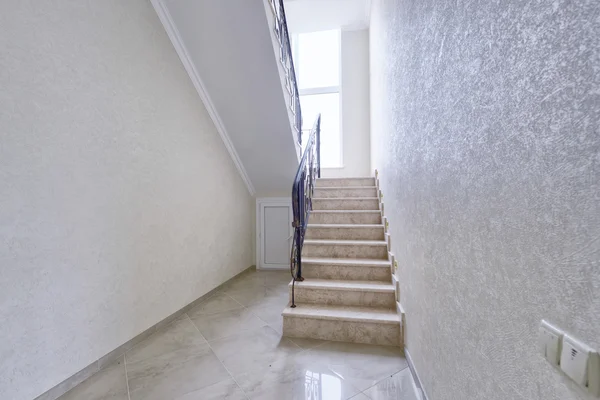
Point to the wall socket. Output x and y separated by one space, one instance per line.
580 363
577 360
549 342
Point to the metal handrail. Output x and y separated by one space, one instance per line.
285 56
310 164
302 191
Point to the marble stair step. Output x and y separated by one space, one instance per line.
343 313
345 203
346 192
345 217
344 182
342 292
346 231
372 249
346 269
343 323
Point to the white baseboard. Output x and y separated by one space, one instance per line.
286 268
419 385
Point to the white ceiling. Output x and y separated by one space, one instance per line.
230 45
319 15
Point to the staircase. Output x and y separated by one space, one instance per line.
347 292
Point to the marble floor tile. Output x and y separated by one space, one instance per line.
224 390
107 384
226 323
253 350
399 386
276 278
245 280
273 299
231 351
295 378
267 313
174 374
248 296
173 362
270 314
307 343
217 303
363 365
277 325
360 396
280 288
181 334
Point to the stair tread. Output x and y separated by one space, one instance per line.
343 313
345 225
371 262
348 178
346 211
345 198
345 187
346 242
334 284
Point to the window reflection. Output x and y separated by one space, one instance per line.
320 386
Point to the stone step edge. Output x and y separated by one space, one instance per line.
346 211
344 198
344 187
348 178
347 262
347 286
344 226
342 313
330 242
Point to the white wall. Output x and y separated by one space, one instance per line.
356 145
485 133
119 203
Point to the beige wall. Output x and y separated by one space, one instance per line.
485 133
119 203
355 106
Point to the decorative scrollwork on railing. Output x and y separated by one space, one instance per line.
285 57
302 191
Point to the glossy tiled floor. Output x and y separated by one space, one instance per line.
230 347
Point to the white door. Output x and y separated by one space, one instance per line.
274 236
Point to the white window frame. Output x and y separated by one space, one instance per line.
323 89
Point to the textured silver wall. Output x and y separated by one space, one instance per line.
119 203
485 123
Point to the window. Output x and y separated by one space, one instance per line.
317 62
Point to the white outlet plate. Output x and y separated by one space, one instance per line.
549 342
580 362
594 374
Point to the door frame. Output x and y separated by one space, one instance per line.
261 203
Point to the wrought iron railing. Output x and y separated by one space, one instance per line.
285 57
304 182
310 164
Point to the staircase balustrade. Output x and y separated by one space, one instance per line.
302 191
285 57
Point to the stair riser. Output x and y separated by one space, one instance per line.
354 273
343 297
345 182
344 218
343 192
345 204
344 251
342 331
346 233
